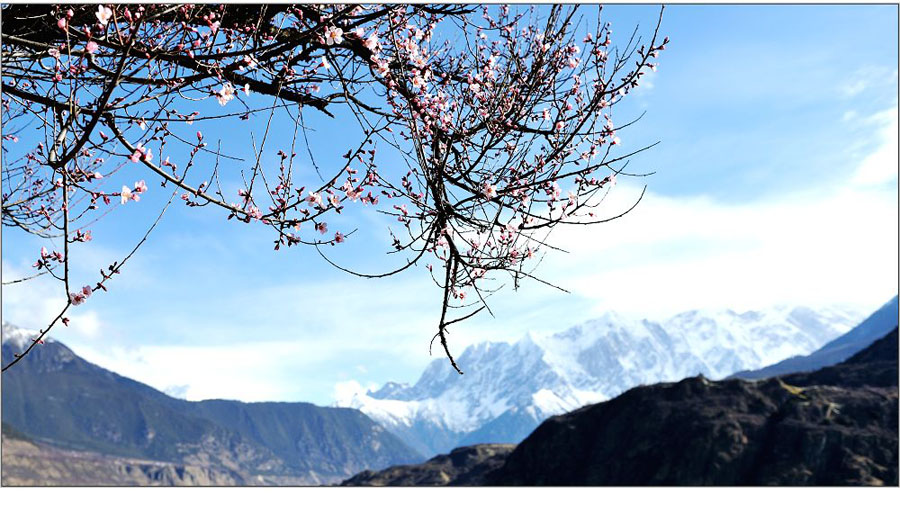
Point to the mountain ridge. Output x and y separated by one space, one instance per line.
509 388
56 397
875 325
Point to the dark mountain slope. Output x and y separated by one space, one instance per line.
876 325
56 397
334 441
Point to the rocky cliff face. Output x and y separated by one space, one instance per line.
837 426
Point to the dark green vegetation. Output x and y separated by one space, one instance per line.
55 396
836 426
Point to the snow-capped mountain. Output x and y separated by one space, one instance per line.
17 337
509 388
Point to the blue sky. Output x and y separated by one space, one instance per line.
776 182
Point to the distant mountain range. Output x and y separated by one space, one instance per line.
509 388
876 325
64 416
836 426
57 398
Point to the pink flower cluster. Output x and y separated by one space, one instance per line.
133 195
78 298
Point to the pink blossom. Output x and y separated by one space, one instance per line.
372 42
333 35
560 125
325 63
86 291
338 237
555 190
322 227
91 47
351 191
140 187
489 190
76 299
382 67
226 94
419 61
126 194
141 153
62 24
104 14
314 198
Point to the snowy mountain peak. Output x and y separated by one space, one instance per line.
509 388
17 337
394 390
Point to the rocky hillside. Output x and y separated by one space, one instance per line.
467 465
26 462
54 396
509 388
836 426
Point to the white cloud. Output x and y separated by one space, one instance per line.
254 371
881 166
344 391
672 254
866 77
33 304
177 391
